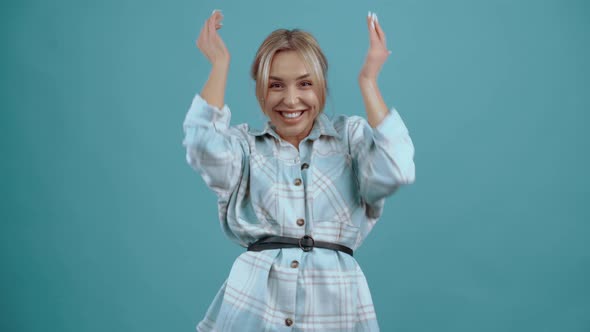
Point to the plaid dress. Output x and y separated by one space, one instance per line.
332 188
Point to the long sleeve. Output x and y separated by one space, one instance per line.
213 148
383 157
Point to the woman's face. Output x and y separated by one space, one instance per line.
291 102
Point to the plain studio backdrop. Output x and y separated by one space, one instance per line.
104 226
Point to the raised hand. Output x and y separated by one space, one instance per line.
378 52
210 43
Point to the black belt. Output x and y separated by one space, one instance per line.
306 243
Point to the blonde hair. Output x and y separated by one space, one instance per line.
290 40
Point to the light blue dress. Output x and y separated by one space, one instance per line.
332 188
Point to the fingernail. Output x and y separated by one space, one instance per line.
369 14
376 18
215 10
373 24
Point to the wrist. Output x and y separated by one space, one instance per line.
367 81
220 66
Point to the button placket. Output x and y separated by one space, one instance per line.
293 259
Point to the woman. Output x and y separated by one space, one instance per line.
301 194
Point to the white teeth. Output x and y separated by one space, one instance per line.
291 115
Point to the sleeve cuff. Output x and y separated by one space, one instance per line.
200 111
391 126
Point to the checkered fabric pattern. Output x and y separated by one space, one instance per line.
332 188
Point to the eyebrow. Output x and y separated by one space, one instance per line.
280 79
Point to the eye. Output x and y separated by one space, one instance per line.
275 85
306 83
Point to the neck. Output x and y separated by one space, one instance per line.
294 140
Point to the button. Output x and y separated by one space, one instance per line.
300 222
294 264
297 182
288 322
304 166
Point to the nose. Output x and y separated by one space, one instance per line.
291 97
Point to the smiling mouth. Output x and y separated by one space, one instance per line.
292 114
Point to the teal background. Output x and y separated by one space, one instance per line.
104 227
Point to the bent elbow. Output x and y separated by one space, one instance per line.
191 158
408 176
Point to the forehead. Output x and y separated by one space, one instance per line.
288 65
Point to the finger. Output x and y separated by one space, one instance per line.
380 32
376 28
218 19
216 24
216 16
206 30
372 33
211 24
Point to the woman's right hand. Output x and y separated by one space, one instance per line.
210 43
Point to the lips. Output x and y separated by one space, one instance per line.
295 114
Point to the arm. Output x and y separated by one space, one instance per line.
213 47
383 157
376 57
374 104
213 148
214 90
382 149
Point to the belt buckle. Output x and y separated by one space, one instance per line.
306 247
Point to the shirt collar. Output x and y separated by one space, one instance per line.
322 126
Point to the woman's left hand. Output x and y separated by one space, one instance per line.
378 51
